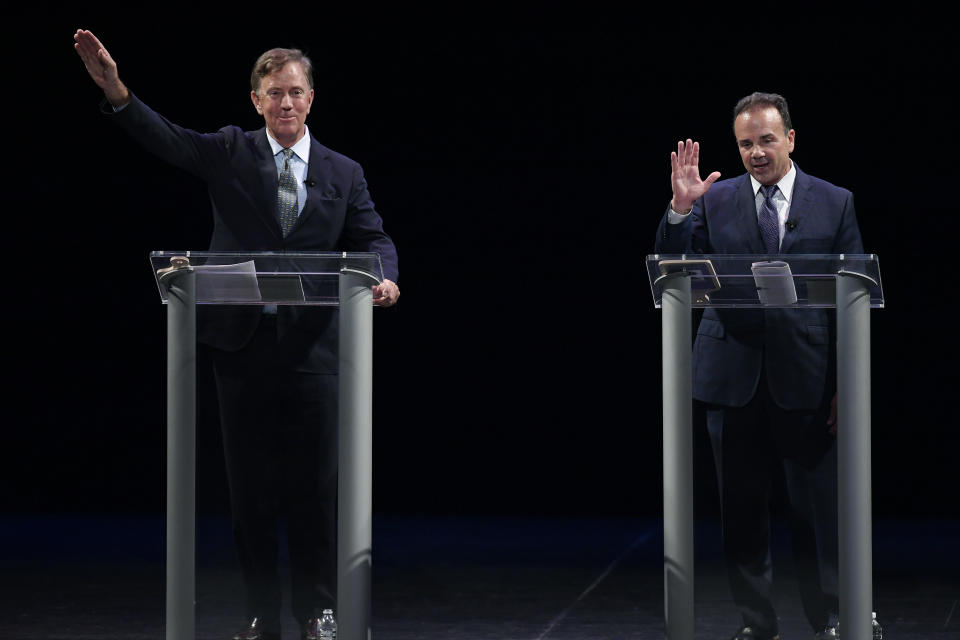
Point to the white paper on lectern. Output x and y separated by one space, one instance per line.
774 282
233 282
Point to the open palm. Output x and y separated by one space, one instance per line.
685 176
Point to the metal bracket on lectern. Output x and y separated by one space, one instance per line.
670 276
865 278
360 273
177 263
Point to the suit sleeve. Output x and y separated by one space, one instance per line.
848 238
363 228
688 236
201 154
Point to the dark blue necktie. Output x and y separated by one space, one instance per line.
769 220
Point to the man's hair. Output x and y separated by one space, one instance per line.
274 60
764 100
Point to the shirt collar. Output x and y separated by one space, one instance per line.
301 148
785 183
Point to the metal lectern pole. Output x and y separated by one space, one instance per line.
853 407
355 501
181 453
677 458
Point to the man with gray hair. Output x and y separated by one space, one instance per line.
274 189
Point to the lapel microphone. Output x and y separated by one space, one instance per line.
310 182
791 225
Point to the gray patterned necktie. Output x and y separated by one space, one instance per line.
287 195
769 220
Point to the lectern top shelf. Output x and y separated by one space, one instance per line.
764 281
264 278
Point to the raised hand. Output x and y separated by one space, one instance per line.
685 176
101 67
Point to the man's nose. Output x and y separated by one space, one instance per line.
756 152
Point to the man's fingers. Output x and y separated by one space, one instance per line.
91 50
385 294
685 151
87 38
88 50
86 43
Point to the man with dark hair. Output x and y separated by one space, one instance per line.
275 189
758 100
767 378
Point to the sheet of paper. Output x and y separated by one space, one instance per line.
234 283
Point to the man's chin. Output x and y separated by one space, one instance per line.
762 175
287 130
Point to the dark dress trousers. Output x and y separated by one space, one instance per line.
767 378
275 375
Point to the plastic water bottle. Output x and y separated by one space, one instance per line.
877 629
327 626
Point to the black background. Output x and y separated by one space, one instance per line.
521 165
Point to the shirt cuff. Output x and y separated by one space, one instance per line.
676 218
107 108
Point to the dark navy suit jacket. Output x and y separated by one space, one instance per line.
795 347
241 175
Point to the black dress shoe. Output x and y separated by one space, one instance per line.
308 629
746 633
255 631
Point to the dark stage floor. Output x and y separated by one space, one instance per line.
450 578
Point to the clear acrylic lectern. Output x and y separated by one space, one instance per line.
848 283
188 278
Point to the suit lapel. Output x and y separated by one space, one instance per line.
800 204
268 176
318 174
747 217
